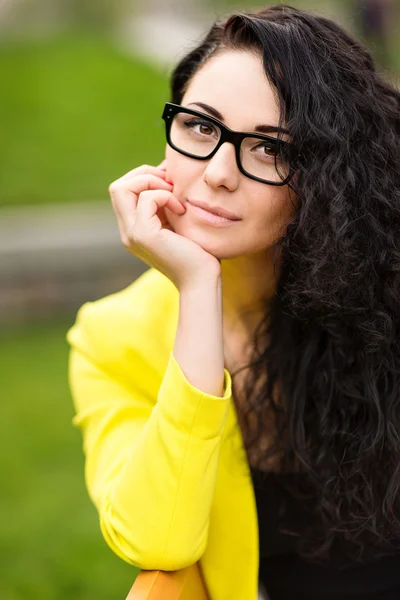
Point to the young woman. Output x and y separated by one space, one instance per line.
240 401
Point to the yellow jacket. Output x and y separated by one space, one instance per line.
165 465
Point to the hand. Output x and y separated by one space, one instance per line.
139 199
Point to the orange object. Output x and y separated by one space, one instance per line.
184 584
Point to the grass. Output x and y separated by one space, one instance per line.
50 542
74 115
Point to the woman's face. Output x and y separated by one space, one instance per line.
234 84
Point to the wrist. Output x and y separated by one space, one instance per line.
200 283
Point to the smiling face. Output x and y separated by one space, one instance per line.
234 84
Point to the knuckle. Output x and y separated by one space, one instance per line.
113 187
113 201
143 197
141 172
148 194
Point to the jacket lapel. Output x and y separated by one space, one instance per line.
231 560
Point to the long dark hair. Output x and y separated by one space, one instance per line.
328 351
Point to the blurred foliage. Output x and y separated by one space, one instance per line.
95 14
50 542
75 114
246 5
27 16
346 12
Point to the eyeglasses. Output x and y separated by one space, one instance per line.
196 134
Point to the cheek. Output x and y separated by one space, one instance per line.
171 168
181 170
275 211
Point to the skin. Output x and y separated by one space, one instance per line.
245 99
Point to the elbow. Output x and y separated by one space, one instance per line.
146 548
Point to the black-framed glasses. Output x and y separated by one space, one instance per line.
196 134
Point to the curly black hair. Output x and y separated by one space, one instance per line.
327 353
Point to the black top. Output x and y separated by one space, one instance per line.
286 576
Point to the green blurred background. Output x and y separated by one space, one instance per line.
83 84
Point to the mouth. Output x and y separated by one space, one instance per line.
212 216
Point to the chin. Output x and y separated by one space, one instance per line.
220 248
213 240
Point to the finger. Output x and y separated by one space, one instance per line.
143 169
149 203
163 199
145 181
124 193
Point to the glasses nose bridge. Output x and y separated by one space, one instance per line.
232 137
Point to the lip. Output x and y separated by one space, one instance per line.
215 210
209 218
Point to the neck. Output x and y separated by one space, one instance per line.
247 284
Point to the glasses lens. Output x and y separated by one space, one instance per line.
263 159
260 158
194 134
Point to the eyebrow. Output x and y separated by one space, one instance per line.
259 128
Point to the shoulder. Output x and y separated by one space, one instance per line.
138 320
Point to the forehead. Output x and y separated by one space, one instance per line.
236 85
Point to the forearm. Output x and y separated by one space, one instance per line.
199 341
152 439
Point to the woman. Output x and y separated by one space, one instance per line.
239 402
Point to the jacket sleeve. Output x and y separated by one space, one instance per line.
152 451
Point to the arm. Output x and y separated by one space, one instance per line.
151 462
199 343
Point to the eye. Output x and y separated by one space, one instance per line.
265 150
268 149
204 127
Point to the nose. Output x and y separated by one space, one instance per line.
222 169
